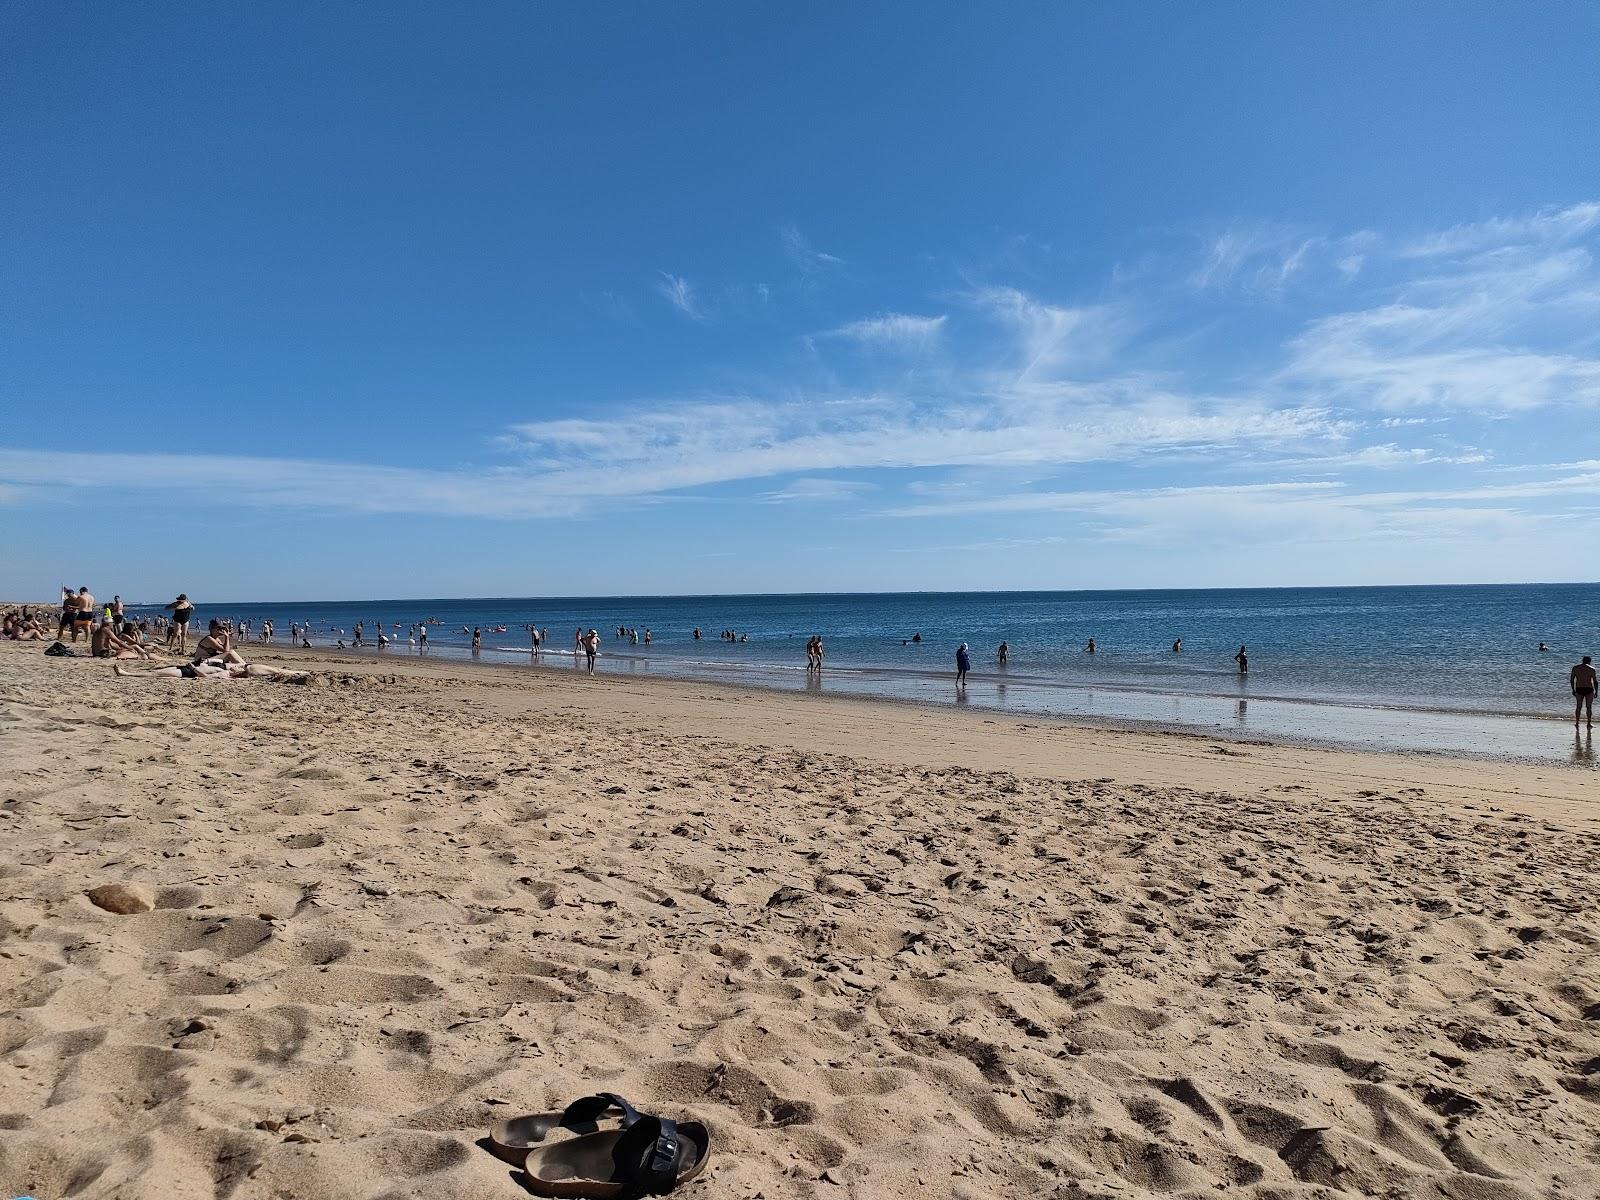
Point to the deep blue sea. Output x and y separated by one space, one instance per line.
1419 650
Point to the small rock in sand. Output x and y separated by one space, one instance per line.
122 898
841 885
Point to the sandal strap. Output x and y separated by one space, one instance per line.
587 1109
648 1157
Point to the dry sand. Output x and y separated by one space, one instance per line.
883 951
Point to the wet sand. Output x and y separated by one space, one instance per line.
884 950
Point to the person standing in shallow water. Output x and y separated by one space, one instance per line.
1089 649
1243 660
1583 682
1004 654
963 664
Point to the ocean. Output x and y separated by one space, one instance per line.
1444 667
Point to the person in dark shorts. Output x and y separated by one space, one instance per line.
1583 683
83 615
1243 660
963 664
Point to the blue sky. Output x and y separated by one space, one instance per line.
341 301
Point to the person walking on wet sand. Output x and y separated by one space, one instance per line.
591 647
1583 682
1243 660
963 664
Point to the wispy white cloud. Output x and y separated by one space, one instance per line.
893 329
564 467
1384 457
293 483
1260 258
1298 514
823 490
1547 226
679 293
1474 334
1050 340
807 259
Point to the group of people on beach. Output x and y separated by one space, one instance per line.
116 634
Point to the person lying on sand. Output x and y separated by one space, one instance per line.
209 670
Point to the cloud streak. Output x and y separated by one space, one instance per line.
892 329
679 293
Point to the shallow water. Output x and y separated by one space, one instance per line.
1442 668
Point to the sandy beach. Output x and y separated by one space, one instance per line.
882 950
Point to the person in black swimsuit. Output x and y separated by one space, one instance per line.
1583 683
178 635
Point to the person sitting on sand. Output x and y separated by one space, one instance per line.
108 643
216 648
1583 682
100 640
21 629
